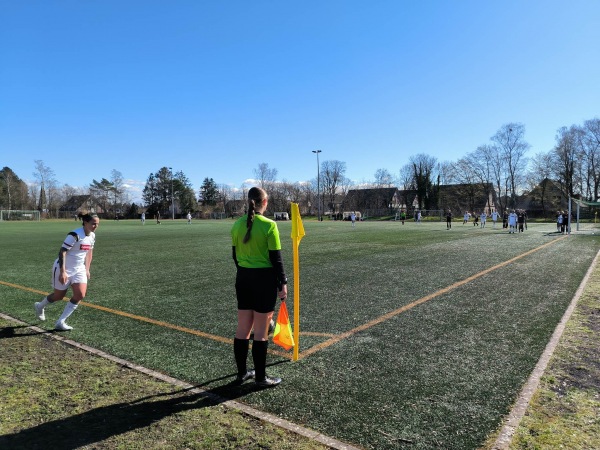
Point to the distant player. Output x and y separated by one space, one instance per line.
512 222
353 218
448 219
559 222
521 220
482 219
494 218
189 218
71 268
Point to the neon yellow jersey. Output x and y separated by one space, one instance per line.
264 236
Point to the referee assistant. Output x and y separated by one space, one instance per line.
260 279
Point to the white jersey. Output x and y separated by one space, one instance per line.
494 216
512 219
77 245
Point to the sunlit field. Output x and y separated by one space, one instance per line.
409 334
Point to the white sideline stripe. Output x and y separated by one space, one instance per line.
516 414
248 410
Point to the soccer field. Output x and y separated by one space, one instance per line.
409 334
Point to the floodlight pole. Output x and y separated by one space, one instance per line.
172 196
318 186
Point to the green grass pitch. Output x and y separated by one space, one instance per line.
438 374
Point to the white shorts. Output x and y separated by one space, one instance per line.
76 276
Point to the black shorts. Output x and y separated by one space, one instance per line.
256 289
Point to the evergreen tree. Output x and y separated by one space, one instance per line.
209 192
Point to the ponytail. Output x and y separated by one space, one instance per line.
249 219
255 195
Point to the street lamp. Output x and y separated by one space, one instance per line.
172 196
318 186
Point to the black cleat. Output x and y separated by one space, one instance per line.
247 376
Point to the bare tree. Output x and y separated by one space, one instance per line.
116 179
54 197
69 191
344 185
383 178
33 195
464 174
511 146
225 196
45 177
482 168
283 193
297 193
497 164
332 174
265 176
565 159
309 192
590 146
538 177
406 181
444 168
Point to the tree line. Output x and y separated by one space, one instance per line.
501 165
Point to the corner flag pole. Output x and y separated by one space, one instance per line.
297 233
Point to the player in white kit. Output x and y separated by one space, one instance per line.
71 268
494 218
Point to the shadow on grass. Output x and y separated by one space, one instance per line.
99 424
9 332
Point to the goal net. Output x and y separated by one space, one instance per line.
585 215
17 214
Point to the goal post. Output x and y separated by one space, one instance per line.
584 215
18 214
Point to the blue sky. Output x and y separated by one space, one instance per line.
214 88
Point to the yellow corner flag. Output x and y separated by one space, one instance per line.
297 227
283 329
297 234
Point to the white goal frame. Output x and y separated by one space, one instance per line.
583 217
19 214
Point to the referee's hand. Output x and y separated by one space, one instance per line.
282 293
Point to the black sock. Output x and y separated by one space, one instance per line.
240 351
259 355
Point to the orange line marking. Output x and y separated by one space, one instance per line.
160 323
405 308
23 288
146 319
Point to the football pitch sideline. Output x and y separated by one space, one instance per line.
409 333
